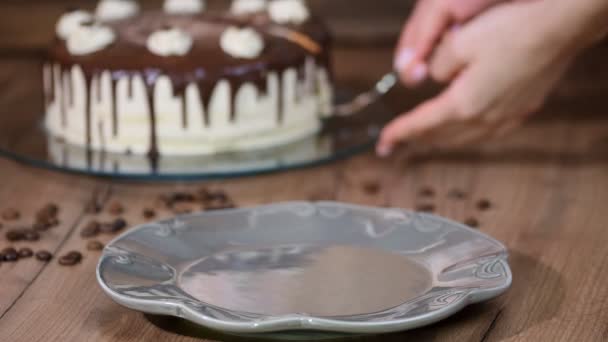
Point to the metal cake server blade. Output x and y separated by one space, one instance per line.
361 101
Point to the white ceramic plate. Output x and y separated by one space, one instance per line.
304 266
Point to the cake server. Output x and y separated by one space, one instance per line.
361 101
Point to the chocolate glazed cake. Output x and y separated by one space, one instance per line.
182 80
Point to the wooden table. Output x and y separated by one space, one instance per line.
548 183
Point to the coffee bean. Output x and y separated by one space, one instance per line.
203 194
425 208
14 235
51 208
426 192
10 214
119 224
47 213
113 227
115 208
149 213
10 254
472 222
44 256
70 259
94 246
31 235
182 197
457 194
371 187
90 230
484 204
25 253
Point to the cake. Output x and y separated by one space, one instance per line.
187 80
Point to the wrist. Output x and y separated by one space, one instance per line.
583 22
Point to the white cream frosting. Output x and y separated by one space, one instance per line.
243 7
255 123
84 40
172 42
184 6
242 43
108 10
288 11
71 21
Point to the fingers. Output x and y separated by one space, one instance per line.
409 60
432 25
448 60
465 10
425 117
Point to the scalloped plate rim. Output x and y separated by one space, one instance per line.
297 322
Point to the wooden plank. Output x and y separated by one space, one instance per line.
547 181
72 295
27 191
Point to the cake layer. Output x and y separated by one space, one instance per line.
125 98
119 117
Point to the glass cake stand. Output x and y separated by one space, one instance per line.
23 138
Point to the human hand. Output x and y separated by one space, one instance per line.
425 27
501 66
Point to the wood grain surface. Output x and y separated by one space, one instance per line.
547 183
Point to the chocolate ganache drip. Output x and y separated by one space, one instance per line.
204 66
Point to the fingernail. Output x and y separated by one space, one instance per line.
384 151
404 59
419 73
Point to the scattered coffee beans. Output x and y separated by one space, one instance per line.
31 235
203 195
113 227
10 214
119 224
94 246
70 259
472 222
182 197
44 256
51 208
90 230
484 204
47 214
426 192
149 213
371 187
14 235
10 254
115 208
25 253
